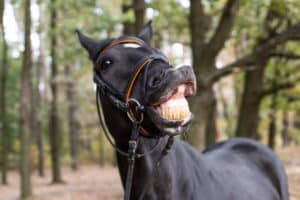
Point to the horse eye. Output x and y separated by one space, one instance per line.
106 64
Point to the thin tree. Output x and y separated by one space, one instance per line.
54 129
286 138
3 110
72 120
36 120
25 107
272 123
273 110
138 7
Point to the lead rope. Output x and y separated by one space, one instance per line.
133 142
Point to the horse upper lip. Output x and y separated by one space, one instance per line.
190 91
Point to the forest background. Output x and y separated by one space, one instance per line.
245 53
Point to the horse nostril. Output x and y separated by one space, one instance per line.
154 81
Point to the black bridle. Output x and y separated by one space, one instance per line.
132 107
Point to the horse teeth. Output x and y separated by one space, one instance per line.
174 109
182 114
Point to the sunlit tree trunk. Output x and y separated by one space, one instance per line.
54 129
25 107
37 124
72 120
3 111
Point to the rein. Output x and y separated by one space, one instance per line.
133 109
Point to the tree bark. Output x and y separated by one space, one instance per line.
3 110
54 129
128 27
72 120
204 103
25 108
273 108
286 139
37 130
139 13
200 103
139 8
272 125
249 109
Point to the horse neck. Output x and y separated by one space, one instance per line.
120 128
144 166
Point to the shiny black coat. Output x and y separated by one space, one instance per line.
238 169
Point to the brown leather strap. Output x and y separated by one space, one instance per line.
132 82
121 42
138 71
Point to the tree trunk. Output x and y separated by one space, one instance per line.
37 130
54 128
128 27
25 108
248 120
204 56
72 120
139 7
202 104
3 111
273 108
139 13
286 139
272 125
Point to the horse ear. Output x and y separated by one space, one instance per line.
146 32
89 44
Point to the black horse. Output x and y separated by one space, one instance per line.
238 169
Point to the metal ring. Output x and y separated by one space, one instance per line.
130 113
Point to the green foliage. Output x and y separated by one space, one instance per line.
170 21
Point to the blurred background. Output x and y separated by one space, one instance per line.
245 53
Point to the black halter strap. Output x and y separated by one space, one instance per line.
132 107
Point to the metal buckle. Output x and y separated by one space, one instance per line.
139 108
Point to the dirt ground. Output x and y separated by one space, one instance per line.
95 183
291 160
89 183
